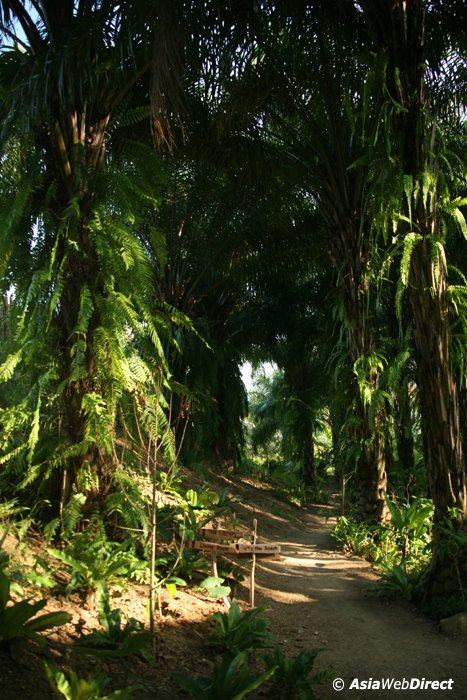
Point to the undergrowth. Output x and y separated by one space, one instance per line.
400 551
237 637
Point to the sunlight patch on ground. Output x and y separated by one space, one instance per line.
286 597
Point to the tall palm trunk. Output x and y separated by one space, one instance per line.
440 410
463 413
4 317
404 436
77 151
342 398
400 29
309 462
403 421
371 479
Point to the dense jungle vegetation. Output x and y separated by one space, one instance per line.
187 188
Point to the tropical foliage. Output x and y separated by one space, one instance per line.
188 189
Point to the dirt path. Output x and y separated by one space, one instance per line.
316 596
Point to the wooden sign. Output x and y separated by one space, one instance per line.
258 549
202 545
236 547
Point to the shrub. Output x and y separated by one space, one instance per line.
20 619
74 688
94 565
397 582
115 639
236 632
230 680
292 675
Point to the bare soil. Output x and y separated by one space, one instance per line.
314 595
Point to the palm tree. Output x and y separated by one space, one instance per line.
409 36
327 124
67 76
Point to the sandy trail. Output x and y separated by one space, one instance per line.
317 596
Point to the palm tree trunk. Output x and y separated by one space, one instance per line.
404 436
341 399
463 413
309 463
440 410
371 478
77 148
5 317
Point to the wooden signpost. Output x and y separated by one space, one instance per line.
253 564
228 541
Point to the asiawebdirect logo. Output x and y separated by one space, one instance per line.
393 684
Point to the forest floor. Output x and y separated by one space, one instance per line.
314 595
